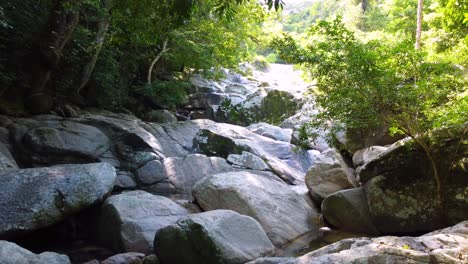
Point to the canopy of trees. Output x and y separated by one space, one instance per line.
98 52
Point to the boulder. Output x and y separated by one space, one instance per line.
129 221
204 100
215 237
348 210
160 116
270 131
152 172
248 160
329 175
352 140
401 189
35 198
10 253
240 89
64 142
444 246
125 258
212 144
363 156
125 180
184 173
283 213
279 105
7 162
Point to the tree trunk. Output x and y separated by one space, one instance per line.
47 55
103 27
364 5
158 57
419 25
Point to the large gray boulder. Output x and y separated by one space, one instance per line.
348 210
184 173
270 131
10 253
329 175
247 160
401 189
215 237
35 198
129 221
365 155
444 246
283 213
150 173
7 162
65 142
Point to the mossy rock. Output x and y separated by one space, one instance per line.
277 106
214 237
211 144
401 188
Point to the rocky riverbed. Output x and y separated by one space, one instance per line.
214 185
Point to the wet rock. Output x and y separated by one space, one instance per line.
348 210
215 237
10 253
329 175
283 214
248 160
129 221
35 198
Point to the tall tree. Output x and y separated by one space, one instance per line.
419 25
63 19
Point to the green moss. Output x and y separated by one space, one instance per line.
212 144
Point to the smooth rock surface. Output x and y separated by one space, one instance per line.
184 173
35 198
283 213
10 253
270 131
363 156
348 210
215 237
248 160
66 142
328 176
152 172
129 221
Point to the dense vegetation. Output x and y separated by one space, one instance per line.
111 53
369 73
104 52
